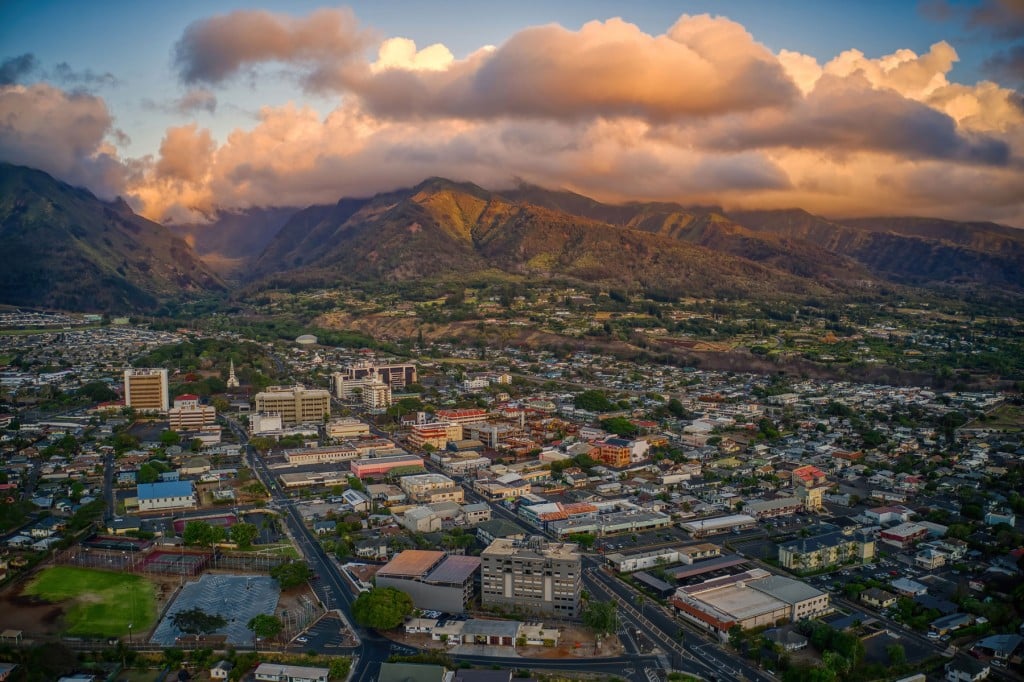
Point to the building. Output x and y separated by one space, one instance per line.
830 549
964 669
462 416
145 390
412 672
296 404
435 434
324 455
810 484
376 396
188 415
170 495
904 535
767 509
232 381
429 488
751 599
534 577
397 376
380 466
434 580
502 488
722 524
280 672
265 423
613 452
347 427
879 599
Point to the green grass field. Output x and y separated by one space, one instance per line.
102 603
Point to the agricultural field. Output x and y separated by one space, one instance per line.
97 603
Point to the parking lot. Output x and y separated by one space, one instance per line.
327 634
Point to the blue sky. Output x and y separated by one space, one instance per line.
773 119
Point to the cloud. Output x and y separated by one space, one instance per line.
87 78
1000 18
701 66
192 102
1007 64
15 69
215 49
843 115
64 134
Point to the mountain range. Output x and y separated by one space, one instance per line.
77 252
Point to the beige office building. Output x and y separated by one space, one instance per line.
295 404
145 390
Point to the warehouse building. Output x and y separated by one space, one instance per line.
751 599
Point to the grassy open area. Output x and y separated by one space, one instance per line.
103 603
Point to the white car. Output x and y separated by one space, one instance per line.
302 640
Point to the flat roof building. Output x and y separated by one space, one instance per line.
296 404
532 577
434 580
145 390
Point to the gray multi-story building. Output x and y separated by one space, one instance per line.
533 577
435 580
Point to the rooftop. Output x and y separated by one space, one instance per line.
455 570
149 491
412 563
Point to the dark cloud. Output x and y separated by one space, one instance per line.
215 49
87 78
14 69
845 115
192 102
1007 65
61 133
999 18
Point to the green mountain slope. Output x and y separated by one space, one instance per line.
63 248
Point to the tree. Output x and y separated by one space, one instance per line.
169 438
242 534
197 622
382 608
202 534
593 401
265 626
620 426
735 636
601 616
147 473
290 573
584 540
897 655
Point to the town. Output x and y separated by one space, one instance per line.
235 503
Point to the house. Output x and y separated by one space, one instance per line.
880 599
909 588
953 621
221 670
964 669
279 672
325 527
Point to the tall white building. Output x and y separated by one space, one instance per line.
376 396
295 404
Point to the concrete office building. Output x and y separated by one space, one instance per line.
434 580
295 404
376 396
347 427
533 577
188 415
397 376
145 390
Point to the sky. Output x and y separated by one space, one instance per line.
875 107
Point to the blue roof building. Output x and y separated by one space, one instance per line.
166 495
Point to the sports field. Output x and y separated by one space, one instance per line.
101 603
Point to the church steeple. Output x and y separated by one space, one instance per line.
232 379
